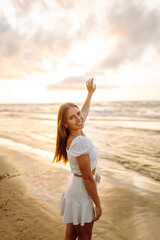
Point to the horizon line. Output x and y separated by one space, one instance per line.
140 100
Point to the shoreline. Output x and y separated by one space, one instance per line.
23 215
131 202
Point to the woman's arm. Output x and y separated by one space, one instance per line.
91 88
89 182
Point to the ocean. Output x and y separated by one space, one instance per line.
125 132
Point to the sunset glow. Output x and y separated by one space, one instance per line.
50 48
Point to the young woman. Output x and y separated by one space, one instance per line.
80 204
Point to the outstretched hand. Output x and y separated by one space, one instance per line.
91 87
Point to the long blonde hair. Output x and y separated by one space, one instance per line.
62 134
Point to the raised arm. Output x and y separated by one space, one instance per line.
91 87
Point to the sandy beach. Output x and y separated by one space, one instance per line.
131 209
23 215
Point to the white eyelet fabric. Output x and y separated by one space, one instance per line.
76 204
79 146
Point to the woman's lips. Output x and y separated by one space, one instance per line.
78 124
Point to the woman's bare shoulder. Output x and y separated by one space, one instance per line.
69 141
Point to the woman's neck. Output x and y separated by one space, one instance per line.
76 133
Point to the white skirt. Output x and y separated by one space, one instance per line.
76 205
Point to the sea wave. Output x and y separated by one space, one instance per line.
148 169
125 132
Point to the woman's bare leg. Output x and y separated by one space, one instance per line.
84 232
70 233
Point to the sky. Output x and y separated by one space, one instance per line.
50 48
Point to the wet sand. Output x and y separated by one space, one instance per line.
30 190
24 215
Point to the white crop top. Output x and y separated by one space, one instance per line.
81 145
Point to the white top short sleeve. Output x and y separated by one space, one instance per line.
79 146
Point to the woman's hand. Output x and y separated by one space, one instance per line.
98 213
91 87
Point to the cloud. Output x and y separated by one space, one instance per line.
22 54
72 83
23 7
4 25
10 46
87 28
8 38
136 28
77 83
68 4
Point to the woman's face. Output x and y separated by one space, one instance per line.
74 119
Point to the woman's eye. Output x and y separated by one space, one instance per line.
79 113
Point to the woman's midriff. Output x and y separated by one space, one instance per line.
93 172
